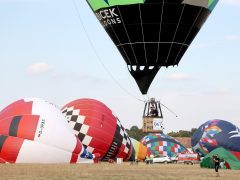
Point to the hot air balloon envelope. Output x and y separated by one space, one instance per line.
214 134
35 131
161 144
141 151
151 34
98 129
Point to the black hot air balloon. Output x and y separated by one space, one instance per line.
151 34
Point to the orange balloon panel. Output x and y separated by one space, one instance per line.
141 151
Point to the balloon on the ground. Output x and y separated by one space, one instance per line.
161 144
98 129
141 151
229 159
35 131
214 134
151 34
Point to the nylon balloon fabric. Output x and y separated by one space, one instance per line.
35 131
98 129
216 134
141 151
151 34
161 144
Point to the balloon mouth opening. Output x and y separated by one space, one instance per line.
133 68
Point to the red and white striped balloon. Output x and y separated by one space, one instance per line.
35 131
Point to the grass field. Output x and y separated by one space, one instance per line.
108 171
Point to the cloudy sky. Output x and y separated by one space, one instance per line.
57 50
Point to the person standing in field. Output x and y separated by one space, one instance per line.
151 158
216 161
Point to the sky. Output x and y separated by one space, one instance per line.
58 51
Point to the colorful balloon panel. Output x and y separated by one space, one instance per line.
141 151
98 129
161 144
151 34
31 127
216 133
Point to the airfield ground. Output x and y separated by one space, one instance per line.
106 171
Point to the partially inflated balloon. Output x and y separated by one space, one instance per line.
161 144
141 151
151 34
98 129
35 131
214 134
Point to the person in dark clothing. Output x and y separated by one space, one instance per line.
153 112
216 161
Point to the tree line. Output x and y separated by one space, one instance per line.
138 134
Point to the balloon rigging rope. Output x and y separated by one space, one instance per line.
97 55
169 110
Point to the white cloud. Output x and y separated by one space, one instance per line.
222 91
179 76
232 37
39 68
231 2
